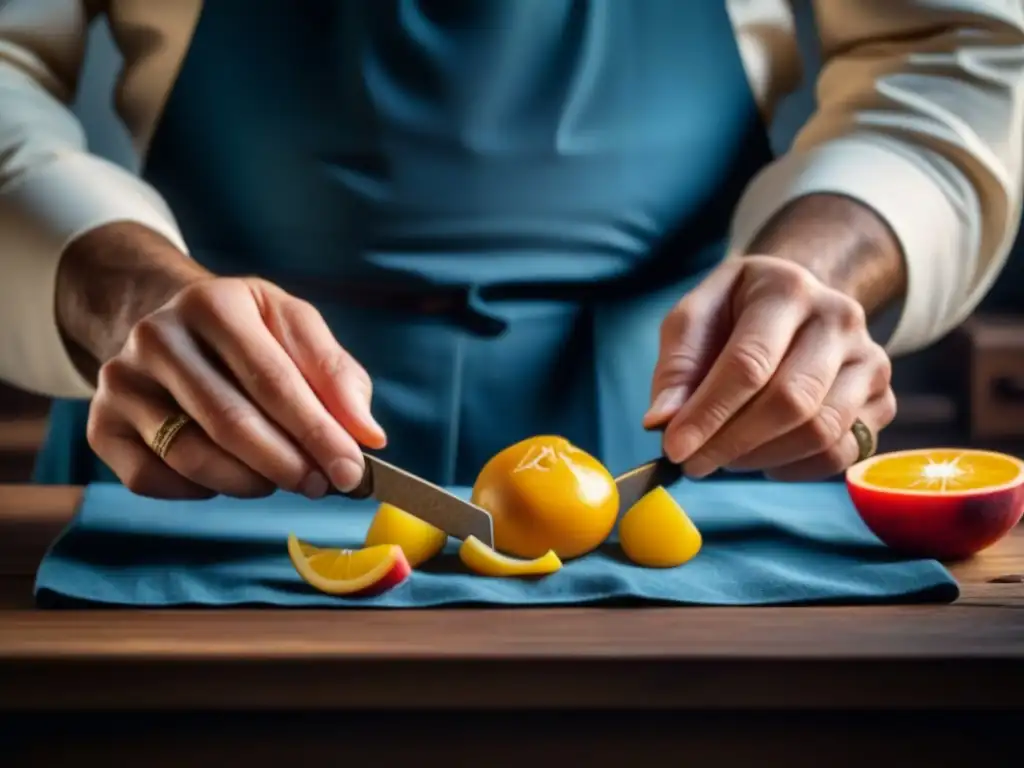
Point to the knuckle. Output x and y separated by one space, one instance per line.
113 376
849 314
271 383
195 299
133 477
677 321
882 363
149 336
752 365
334 366
298 312
95 434
793 281
231 422
316 438
888 407
676 364
827 426
799 398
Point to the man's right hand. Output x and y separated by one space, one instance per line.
275 401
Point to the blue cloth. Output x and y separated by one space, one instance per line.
764 543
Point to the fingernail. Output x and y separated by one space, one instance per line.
665 403
682 444
346 474
314 486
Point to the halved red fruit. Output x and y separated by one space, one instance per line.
943 503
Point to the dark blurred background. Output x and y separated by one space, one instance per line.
966 390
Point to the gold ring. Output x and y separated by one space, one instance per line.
865 440
169 430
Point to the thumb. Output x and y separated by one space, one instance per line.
692 334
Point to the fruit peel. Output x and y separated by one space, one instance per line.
544 493
938 524
485 561
657 533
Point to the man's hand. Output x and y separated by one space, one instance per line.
276 402
767 364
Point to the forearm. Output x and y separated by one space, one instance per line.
843 242
109 279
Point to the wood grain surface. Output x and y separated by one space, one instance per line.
970 654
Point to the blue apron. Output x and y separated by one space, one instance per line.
493 203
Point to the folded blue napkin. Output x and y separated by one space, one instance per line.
764 544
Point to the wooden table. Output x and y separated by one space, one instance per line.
610 685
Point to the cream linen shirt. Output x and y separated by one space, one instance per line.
920 116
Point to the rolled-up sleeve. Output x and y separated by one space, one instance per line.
51 188
920 117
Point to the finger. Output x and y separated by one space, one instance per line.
795 395
271 379
844 452
761 338
857 383
191 454
169 354
338 380
691 335
133 463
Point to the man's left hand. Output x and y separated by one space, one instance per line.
764 367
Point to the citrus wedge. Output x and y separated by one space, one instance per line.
352 572
484 561
655 532
945 503
418 539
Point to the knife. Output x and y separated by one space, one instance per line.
388 484
636 483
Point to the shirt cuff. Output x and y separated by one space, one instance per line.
938 239
40 214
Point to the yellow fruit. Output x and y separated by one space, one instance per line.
655 532
544 494
353 572
418 539
483 560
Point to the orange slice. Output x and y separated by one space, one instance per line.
483 560
655 532
418 539
945 503
938 471
362 572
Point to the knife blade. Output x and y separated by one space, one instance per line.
634 484
389 484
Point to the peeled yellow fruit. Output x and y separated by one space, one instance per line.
655 532
544 493
418 539
483 560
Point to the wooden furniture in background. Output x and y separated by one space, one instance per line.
734 686
22 430
992 378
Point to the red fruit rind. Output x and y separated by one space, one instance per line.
940 524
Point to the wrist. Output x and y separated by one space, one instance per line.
845 244
109 279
